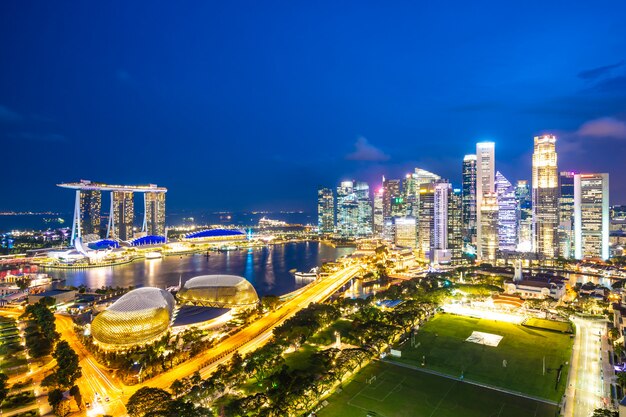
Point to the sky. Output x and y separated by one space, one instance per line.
253 105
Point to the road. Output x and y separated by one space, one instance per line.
585 390
96 379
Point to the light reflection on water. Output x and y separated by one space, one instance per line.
267 268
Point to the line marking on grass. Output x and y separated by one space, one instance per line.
443 398
502 408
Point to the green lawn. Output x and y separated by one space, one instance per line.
400 392
327 336
299 359
557 326
442 341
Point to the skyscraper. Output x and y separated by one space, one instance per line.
485 188
90 204
508 214
354 209
566 214
325 210
488 228
446 240
154 216
525 227
391 194
455 225
121 215
469 198
425 221
404 231
378 212
591 216
545 196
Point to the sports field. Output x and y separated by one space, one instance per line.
516 363
400 392
557 326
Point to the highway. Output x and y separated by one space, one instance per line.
585 390
96 379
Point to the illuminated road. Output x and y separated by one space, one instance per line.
585 391
96 379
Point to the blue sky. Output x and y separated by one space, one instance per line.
253 105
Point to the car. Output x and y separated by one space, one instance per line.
87 404
106 399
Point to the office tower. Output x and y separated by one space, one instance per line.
426 221
121 215
485 186
545 196
378 212
423 177
455 225
410 194
391 194
365 220
524 202
90 204
439 240
354 209
404 232
488 228
469 198
325 211
154 215
508 213
591 216
566 214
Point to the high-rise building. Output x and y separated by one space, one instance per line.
508 214
404 232
378 212
545 196
566 214
154 216
525 227
325 211
121 215
391 194
488 228
354 209
455 225
90 204
425 221
410 194
591 216
485 188
469 198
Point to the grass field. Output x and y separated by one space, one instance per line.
400 392
557 326
442 341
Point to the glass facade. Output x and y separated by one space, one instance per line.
469 198
545 197
354 209
508 214
90 204
154 216
223 291
122 217
591 216
566 214
325 210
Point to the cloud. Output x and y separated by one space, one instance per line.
9 116
37 137
605 127
364 151
598 72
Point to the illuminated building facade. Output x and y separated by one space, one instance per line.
139 317
566 214
469 198
404 232
525 226
485 186
378 212
508 213
392 195
545 196
591 216
354 209
89 212
425 221
88 203
488 228
123 215
325 211
218 291
154 215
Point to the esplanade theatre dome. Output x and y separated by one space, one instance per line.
224 291
138 317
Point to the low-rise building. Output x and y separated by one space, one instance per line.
59 296
536 288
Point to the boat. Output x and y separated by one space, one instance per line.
312 274
154 255
228 248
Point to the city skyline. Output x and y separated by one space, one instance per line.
304 103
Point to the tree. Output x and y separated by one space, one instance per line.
75 392
146 400
59 405
67 360
4 389
621 378
603 412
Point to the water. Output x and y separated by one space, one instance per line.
268 268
